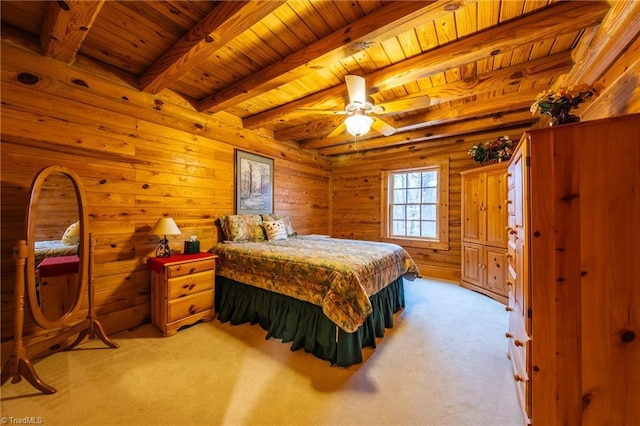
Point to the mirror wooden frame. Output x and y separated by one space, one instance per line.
83 271
19 365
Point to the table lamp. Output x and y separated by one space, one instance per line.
164 226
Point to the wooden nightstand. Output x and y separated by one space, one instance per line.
182 289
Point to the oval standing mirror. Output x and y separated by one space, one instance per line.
58 241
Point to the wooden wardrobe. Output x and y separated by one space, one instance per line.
574 272
484 242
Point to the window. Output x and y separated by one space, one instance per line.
416 207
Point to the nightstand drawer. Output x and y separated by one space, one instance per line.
188 268
186 306
190 284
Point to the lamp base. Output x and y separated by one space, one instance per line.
163 249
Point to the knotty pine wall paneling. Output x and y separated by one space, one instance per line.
140 157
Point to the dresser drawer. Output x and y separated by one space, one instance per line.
187 285
520 376
511 196
186 306
187 268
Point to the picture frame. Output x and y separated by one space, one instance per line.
253 183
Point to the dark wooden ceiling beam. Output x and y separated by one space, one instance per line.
66 25
226 21
384 23
560 18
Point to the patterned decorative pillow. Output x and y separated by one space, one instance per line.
71 236
287 222
276 230
244 227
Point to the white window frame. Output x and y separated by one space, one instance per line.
441 241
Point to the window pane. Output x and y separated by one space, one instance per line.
413 228
430 179
400 181
413 195
399 212
399 196
414 180
413 212
429 195
399 227
429 212
429 229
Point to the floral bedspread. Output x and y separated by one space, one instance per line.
337 274
44 249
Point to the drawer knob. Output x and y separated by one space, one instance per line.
192 270
192 309
518 378
518 342
509 283
507 201
508 309
508 335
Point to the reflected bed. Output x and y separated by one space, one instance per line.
45 249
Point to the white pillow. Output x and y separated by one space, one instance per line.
276 230
287 221
71 236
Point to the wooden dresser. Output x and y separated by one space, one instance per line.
182 290
574 273
484 218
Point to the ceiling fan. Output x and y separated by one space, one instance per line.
362 114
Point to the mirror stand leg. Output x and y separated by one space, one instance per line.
93 331
18 365
98 332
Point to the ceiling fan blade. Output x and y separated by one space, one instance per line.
402 105
356 88
338 130
383 127
321 111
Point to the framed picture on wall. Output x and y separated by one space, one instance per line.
254 183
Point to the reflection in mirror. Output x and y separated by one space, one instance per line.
56 246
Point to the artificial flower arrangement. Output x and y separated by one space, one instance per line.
492 151
558 103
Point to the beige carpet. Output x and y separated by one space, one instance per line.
444 363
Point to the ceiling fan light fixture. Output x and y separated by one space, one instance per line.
358 124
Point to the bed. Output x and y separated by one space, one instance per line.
330 296
46 249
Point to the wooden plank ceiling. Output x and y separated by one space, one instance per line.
481 63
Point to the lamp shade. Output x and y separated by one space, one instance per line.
358 124
165 226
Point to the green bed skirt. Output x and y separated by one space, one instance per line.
302 323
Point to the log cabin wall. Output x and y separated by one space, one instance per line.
140 157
